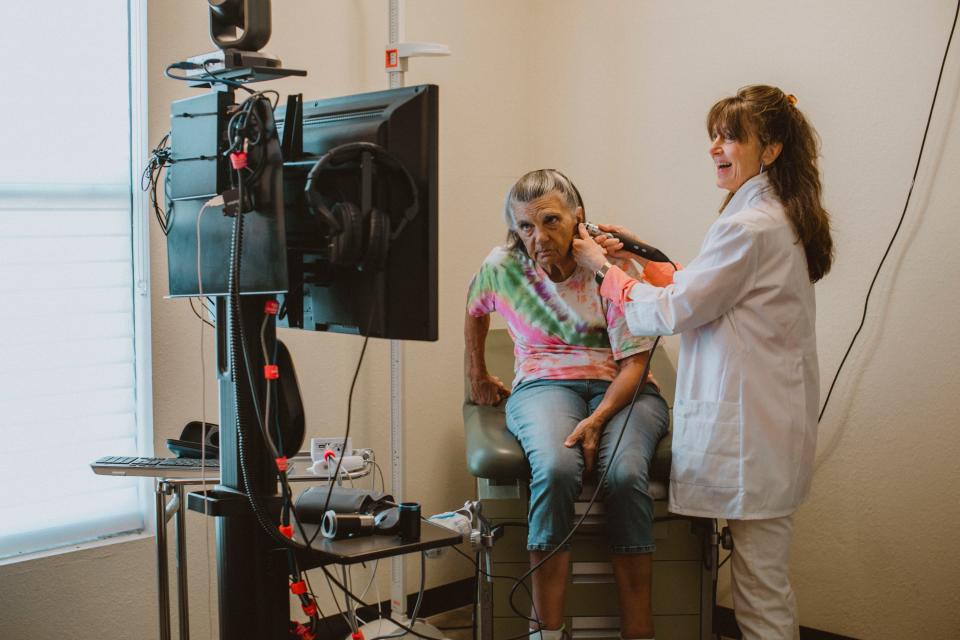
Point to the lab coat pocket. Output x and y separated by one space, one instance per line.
707 443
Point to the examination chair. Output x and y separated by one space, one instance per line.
684 564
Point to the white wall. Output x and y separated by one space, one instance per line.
615 93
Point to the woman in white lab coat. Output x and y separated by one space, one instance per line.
745 416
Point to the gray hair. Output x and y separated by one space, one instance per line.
528 188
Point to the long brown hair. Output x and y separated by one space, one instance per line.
772 116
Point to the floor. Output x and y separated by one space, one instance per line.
448 621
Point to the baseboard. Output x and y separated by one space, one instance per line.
725 625
445 597
454 595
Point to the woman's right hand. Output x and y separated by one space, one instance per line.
487 389
613 246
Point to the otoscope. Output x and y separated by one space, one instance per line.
645 251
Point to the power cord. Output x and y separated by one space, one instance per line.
160 157
206 76
360 601
906 204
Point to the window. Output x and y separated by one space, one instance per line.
73 272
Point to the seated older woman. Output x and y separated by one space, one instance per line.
577 367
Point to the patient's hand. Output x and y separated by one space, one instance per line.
487 389
587 433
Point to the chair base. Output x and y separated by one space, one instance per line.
684 571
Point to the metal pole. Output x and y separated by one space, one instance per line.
396 37
163 582
397 572
180 522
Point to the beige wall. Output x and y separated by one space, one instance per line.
614 93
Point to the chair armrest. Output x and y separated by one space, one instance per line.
492 451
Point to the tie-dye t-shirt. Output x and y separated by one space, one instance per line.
561 330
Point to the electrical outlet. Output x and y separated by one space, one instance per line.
320 445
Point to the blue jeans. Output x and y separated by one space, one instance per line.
541 414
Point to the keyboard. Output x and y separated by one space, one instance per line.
157 467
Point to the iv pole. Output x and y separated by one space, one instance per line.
396 56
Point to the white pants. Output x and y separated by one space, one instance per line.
763 600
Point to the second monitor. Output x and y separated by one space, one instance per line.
362 239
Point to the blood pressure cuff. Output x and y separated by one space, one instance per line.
342 500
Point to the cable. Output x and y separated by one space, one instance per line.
916 170
306 577
480 572
160 157
347 591
346 434
336 603
203 423
204 77
416 607
197 313
383 483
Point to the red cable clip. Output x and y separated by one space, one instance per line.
281 463
271 371
329 454
304 632
357 635
310 609
238 160
298 588
286 530
271 307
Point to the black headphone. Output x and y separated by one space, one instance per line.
350 243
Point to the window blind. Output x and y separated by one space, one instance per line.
68 381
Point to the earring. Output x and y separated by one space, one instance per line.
761 166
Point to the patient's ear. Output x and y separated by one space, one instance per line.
579 213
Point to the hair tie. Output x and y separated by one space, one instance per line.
792 99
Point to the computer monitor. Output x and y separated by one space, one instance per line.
334 284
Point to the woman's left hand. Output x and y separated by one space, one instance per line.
588 432
587 252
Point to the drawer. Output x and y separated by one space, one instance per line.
512 546
675 540
582 599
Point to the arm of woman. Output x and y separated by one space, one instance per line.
706 289
484 387
712 284
618 395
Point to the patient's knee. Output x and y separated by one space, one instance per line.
627 475
558 473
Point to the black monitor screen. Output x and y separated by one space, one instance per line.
333 284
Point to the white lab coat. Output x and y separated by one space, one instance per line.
745 415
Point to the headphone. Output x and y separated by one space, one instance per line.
357 239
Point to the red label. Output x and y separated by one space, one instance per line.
392 59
